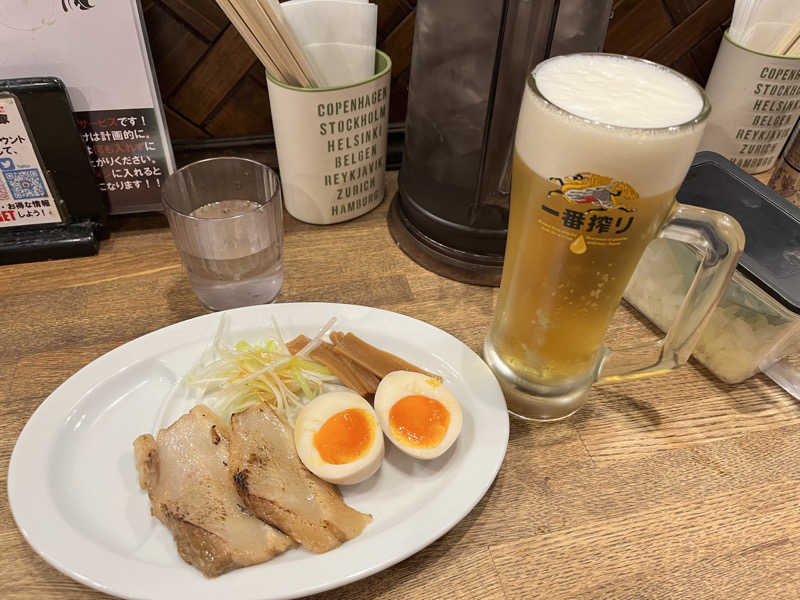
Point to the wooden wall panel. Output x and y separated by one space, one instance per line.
245 111
213 78
690 43
398 44
705 51
390 14
682 9
637 25
213 86
177 47
204 16
688 33
181 128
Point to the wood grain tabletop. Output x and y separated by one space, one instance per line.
672 487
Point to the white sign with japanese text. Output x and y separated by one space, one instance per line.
99 49
25 197
94 47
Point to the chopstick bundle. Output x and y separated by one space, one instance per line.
261 24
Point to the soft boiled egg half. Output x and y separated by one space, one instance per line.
418 413
338 438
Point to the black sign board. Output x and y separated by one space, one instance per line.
50 204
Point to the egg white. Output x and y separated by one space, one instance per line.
313 416
399 384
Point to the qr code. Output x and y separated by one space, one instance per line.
25 183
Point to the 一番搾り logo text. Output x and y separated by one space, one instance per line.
597 208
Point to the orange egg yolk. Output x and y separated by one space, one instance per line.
345 436
419 421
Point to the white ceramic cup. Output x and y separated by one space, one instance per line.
755 100
332 145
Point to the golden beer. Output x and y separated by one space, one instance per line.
561 285
603 143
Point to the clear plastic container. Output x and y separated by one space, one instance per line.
748 331
756 325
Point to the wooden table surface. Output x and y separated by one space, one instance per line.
672 487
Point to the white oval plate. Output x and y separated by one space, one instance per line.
73 489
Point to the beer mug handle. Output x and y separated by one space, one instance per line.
718 240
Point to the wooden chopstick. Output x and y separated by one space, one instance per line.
790 42
251 39
271 24
794 50
273 9
261 24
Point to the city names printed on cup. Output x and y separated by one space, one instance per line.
776 106
353 130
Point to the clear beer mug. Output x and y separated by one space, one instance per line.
603 143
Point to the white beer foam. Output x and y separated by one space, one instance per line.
632 108
618 91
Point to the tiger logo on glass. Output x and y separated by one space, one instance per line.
596 191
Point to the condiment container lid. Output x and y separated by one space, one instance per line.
771 256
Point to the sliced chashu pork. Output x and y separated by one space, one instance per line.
279 489
185 472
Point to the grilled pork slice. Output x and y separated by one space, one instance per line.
185 472
280 490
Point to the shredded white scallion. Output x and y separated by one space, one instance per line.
229 379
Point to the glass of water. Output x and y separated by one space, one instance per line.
226 218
